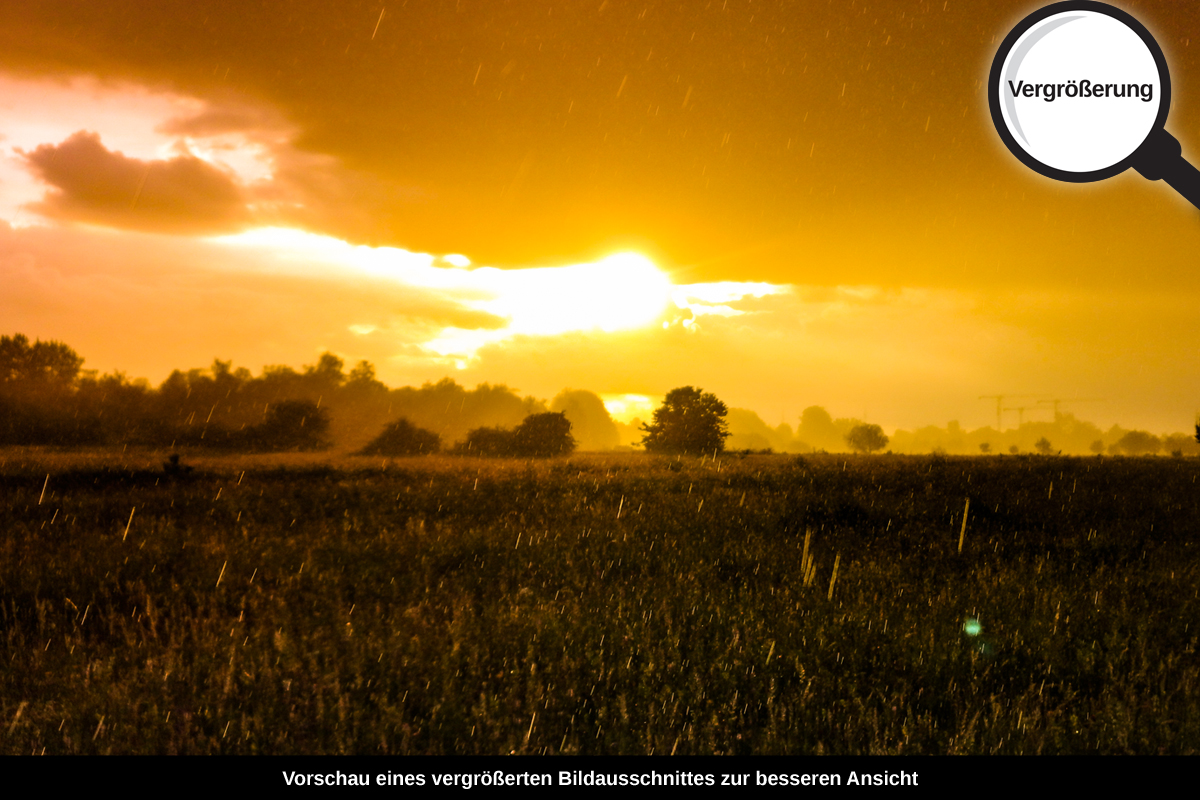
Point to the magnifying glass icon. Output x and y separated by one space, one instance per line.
1079 91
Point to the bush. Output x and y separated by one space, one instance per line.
486 442
544 435
539 435
402 438
1139 443
292 425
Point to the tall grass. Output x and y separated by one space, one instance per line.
597 605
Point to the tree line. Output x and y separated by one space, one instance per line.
47 398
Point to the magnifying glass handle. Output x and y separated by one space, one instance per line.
1160 158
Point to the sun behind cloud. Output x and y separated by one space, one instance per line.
621 292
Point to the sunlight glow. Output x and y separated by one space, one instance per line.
627 407
622 292
713 298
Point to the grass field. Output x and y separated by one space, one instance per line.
598 604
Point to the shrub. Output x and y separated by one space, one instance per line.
402 438
486 442
544 435
292 425
1139 443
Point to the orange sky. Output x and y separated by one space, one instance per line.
813 204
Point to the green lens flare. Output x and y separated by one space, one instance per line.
972 626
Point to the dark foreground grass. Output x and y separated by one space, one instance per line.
599 605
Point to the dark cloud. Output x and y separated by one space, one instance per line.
316 192
93 184
313 191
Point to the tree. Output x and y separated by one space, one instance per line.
1139 443
324 377
362 380
1043 446
690 421
590 421
543 435
39 365
866 438
293 425
402 438
817 429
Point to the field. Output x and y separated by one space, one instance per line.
598 605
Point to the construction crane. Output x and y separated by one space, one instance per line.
999 398
1021 412
1058 400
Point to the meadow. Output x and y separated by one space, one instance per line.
598 604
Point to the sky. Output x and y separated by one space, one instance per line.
785 203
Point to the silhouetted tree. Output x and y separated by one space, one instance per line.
292 425
748 432
1139 443
817 429
866 438
452 411
402 438
37 395
486 442
590 421
544 435
689 421
362 383
327 373
38 366
1043 446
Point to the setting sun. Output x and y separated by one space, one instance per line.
621 292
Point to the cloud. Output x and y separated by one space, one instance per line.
131 157
218 119
737 145
108 294
93 184
284 184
